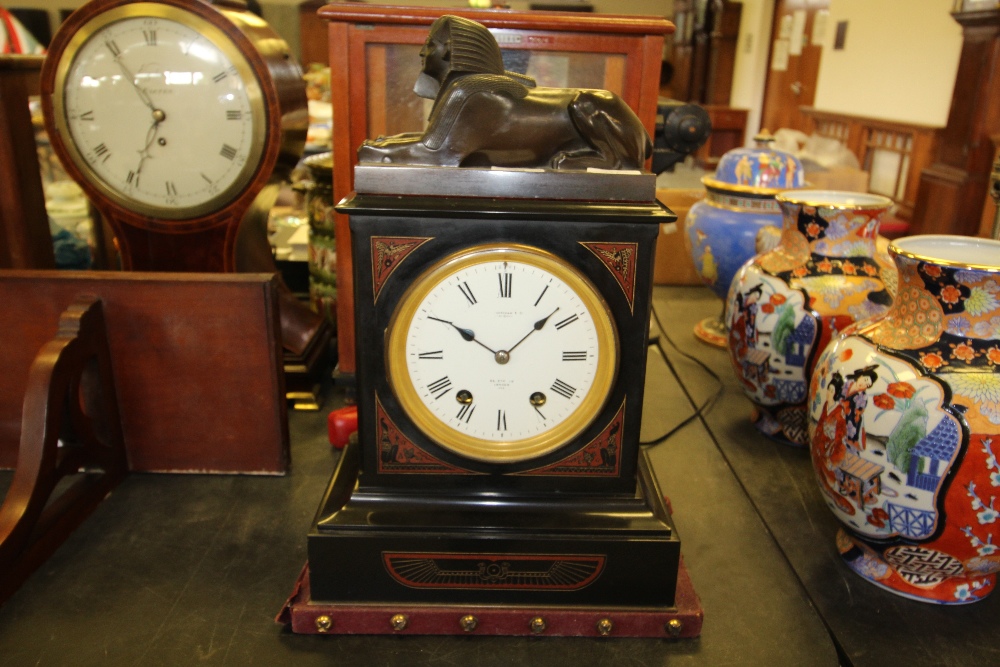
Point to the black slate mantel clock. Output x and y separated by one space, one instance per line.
497 482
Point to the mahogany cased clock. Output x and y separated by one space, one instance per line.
180 119
500 385
173 116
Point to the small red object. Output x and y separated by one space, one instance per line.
341 423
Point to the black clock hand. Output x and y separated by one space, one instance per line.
158 117
467 334
143 95
537 327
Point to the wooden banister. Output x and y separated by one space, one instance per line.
873 138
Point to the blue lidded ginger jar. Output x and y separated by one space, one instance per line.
730 225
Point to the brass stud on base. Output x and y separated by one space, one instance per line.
604 627
399 622
468 622
537 625
674 627
323 623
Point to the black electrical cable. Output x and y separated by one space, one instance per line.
699 410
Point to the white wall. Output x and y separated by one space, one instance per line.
899 61
750 67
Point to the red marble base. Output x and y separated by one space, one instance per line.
680 621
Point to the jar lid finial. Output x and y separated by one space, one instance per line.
763 138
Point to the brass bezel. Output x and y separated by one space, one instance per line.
501 451
225 44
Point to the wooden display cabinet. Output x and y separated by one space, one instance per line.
704 50
25 240
375 60
953 190
729 126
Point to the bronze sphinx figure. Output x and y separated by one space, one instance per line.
484 116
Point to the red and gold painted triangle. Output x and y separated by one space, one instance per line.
601 457
398 454
620 260
387 254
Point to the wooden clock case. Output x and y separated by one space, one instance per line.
407 520
232 238
208 242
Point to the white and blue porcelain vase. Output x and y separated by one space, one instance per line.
727 228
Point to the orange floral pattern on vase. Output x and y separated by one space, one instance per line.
915 320
792 252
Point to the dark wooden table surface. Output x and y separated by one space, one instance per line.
189 569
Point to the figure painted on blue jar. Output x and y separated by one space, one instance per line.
791 167
744 170
770 170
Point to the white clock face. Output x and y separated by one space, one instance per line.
163 114
502 353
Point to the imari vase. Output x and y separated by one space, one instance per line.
904 417
725 229
786 304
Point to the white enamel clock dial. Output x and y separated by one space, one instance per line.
502 353
160 111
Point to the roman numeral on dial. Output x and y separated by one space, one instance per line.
566 322
467 293
436 354
506 283
544 290
465 412
574 356
440 387
563 389
227 152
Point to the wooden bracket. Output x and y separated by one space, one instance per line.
70 427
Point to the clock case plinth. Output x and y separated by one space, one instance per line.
405 520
